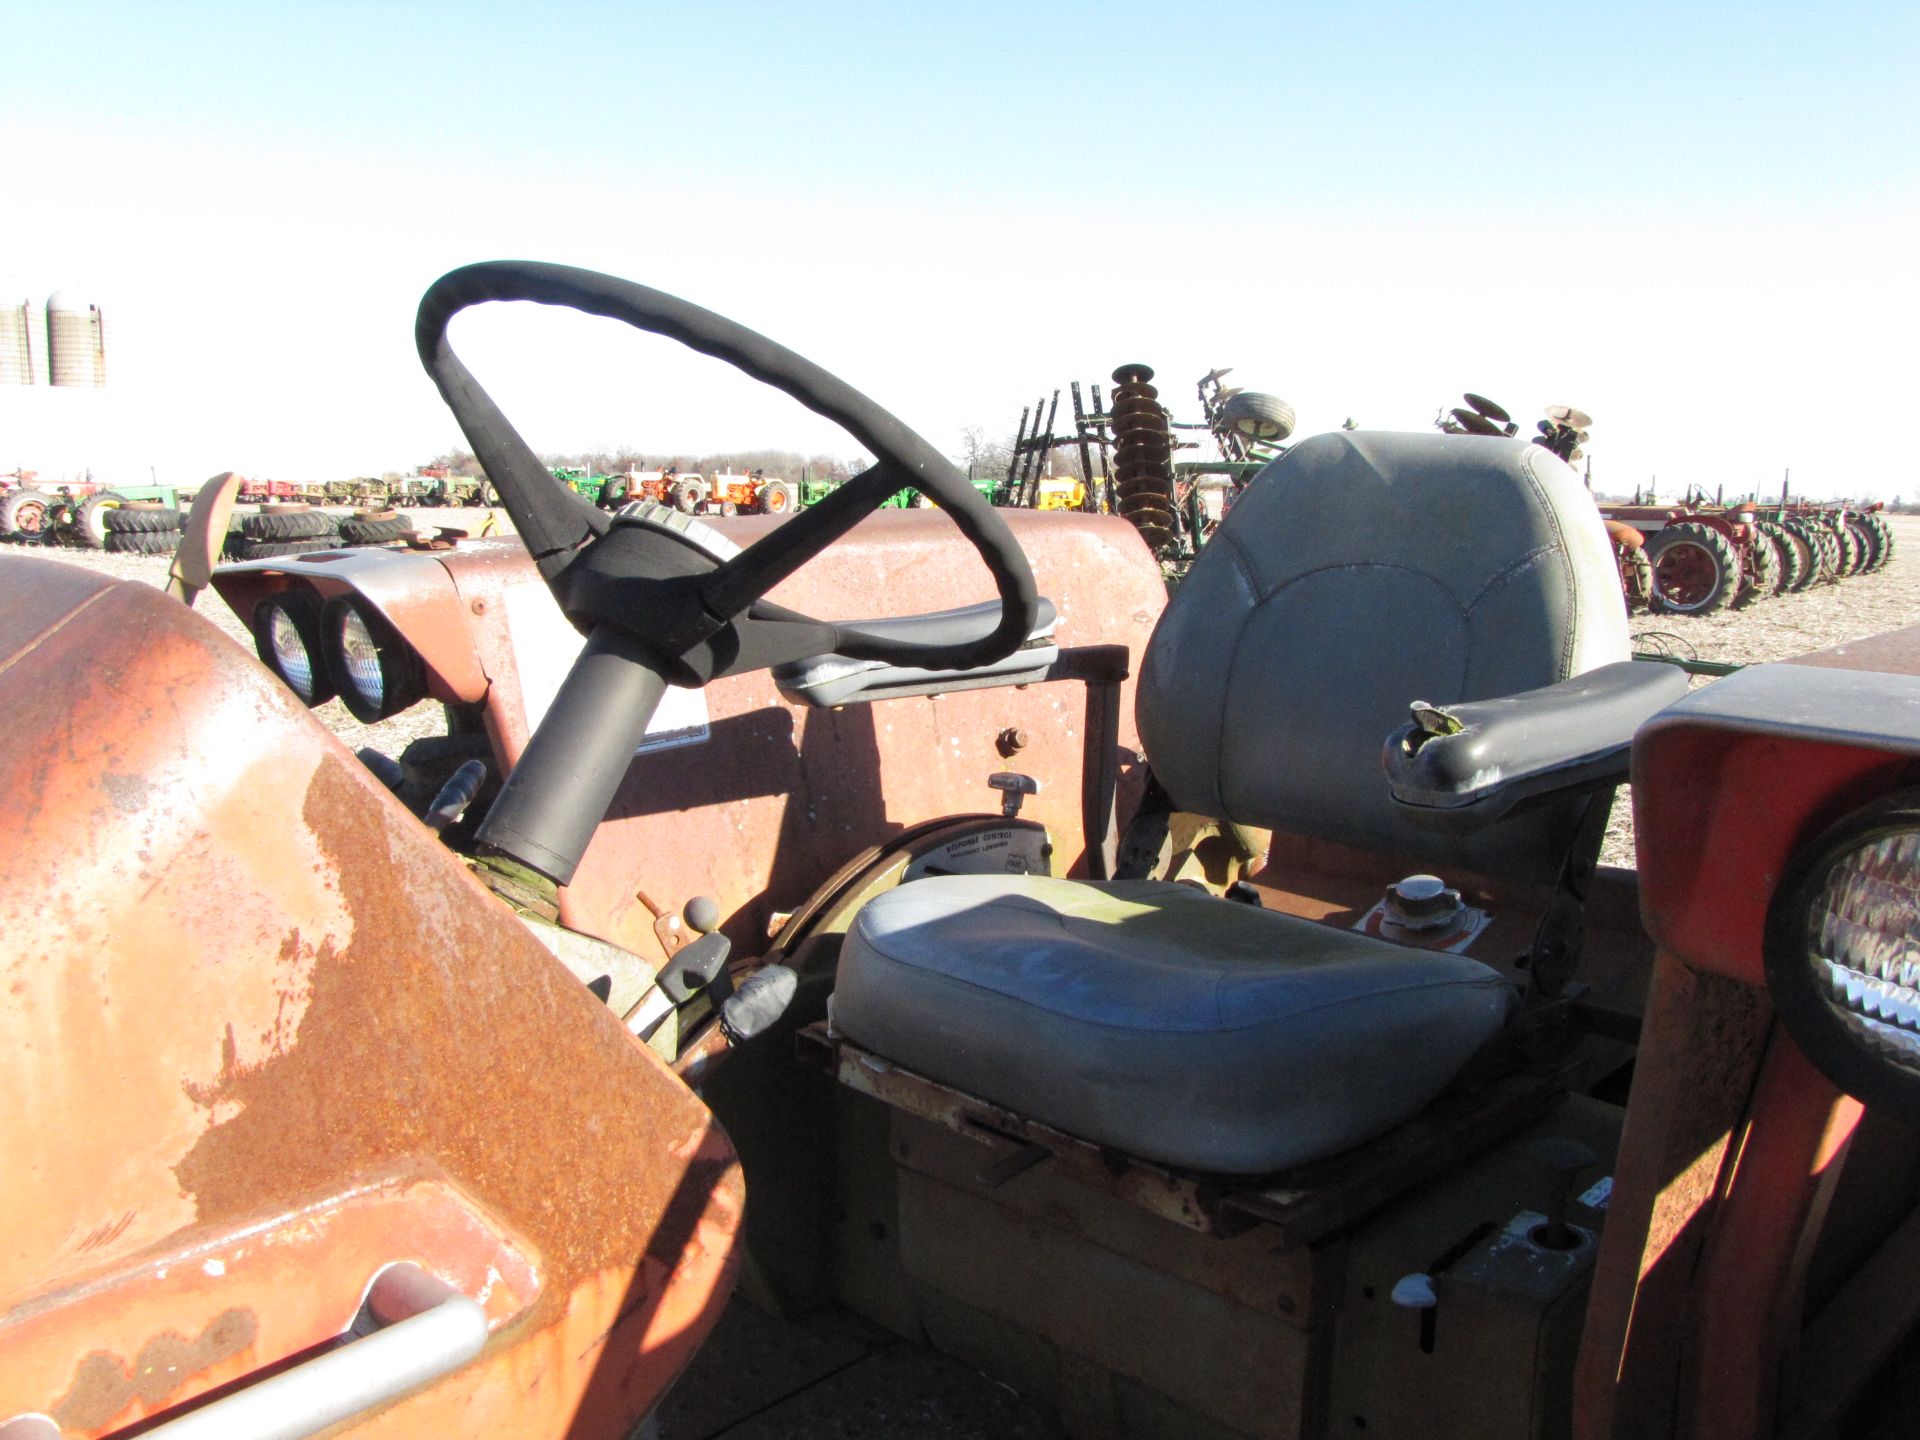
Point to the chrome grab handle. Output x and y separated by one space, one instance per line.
425 1329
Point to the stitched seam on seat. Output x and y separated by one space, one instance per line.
1363 565
1524 562
1491 978
1569 627
1261 599
1243 566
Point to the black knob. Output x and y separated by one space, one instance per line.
702 914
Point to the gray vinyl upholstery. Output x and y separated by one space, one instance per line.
1360 572
1357 573
1159 1020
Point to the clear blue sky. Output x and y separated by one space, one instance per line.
1698 224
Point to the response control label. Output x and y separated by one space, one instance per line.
1004 850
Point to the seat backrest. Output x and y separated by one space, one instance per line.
1358 573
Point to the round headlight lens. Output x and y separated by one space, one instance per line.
290 655
378 673
360 655
1843 953
286 635
1863 938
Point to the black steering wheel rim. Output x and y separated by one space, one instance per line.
557 524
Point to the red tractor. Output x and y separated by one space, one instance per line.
1269 1056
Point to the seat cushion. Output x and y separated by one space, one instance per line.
1154 1018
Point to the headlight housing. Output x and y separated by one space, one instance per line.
286 635
1843 953
376 670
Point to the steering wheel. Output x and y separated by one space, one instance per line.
663 600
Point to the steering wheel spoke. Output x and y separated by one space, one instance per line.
684 610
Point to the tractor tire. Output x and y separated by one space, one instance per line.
1813 558
688 496
90 520
1762 577
60 527
612 495
288 525
272 549
1792 554
142 542
1636 576
1695 571
1867 541
1815 538
24 514
1883 538
1840 550
1851 555
776 497
130 517
374 532
1831 555
1264 419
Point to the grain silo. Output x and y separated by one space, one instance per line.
16 343
76 342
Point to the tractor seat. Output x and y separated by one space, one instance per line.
1357 574
1154 1018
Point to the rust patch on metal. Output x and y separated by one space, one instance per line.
439 1038
103 1385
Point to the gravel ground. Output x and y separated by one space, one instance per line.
1774 629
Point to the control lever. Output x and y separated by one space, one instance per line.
1013 787
1561 1160
695 967
700 965
456 795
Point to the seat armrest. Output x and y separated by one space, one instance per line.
1464 766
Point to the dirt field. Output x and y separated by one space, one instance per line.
1775 629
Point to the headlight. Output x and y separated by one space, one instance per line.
377 672
286 634
1843 953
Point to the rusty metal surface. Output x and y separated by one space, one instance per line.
1897 652
257 1012
1701 1047
1142 455
414 592
1752 1272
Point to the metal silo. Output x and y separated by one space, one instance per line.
16 344
76 341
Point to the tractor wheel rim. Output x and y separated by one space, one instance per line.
1685 575
30 518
